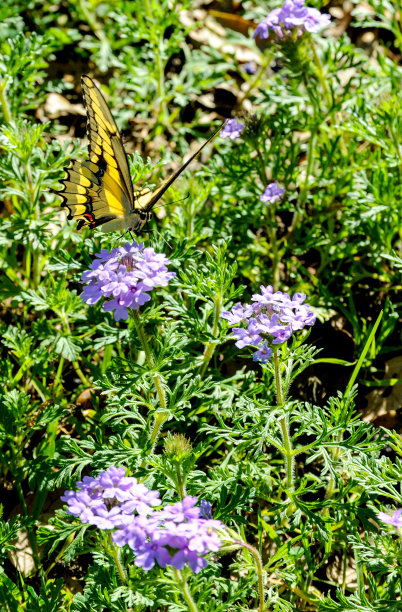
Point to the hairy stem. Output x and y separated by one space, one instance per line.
185 591
284 424
260 575
160 417
210 347
115 552
3 100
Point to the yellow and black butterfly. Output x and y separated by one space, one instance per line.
99 192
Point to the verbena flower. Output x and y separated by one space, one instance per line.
126 274
176 534
273 193
270 320
250 67
263 354
232 129
395 519
292 15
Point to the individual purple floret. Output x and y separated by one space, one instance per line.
263 354
292 15
232 129
270 320
177 534
126 274
238 313
205 509
250 67
395 519
273 193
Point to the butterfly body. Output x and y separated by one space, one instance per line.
99 191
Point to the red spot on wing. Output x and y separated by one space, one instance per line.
90 218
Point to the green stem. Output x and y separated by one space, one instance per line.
271 228
304 190
180 483
210 347
57 378
81 374
161 82
160 417
254 81
284 424
114 551
4 101
66 327
359 573
36 267
260 575
158 52
91 21
185 591
320 73
278 378
275 258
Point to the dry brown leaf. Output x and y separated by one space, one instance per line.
21 557
383 403
338 574
58 106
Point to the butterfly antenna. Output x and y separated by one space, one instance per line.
164 239
173 203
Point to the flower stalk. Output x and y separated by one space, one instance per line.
160 416
210 347
115 552
182 584
284 424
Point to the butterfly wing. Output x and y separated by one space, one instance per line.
105 143
99 192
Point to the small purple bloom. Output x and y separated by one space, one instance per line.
250 67
205 509
126 274
140 499
270 320
181 511
151 552
395 519
292 15
263 354
247 337
238 314
272 193
232 129
195 561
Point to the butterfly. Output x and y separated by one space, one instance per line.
99 191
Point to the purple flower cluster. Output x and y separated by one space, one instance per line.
272 319
126 274
395 519
292 15
177 534
232 129
273 193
